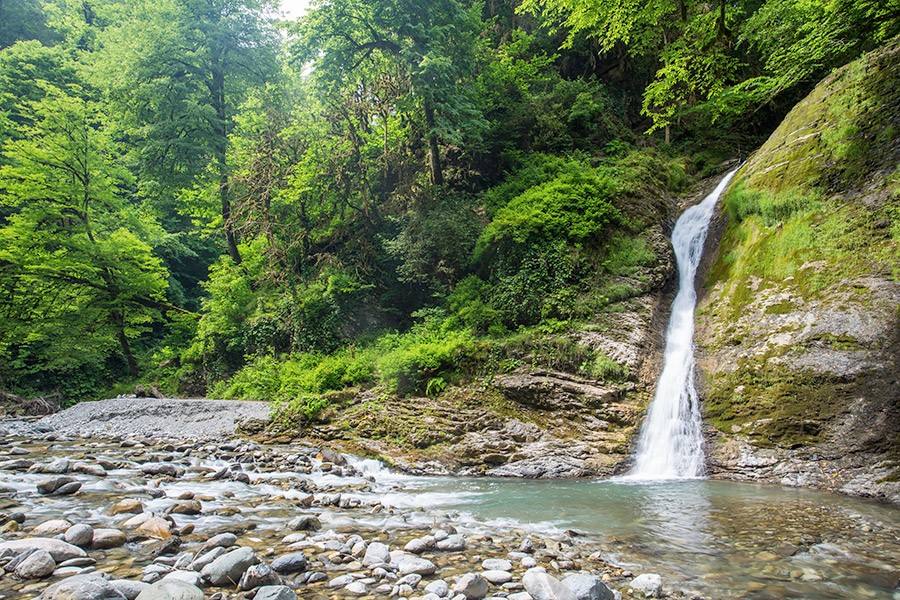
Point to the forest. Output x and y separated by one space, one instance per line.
206 197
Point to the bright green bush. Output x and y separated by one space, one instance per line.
408 361
471 304
574 206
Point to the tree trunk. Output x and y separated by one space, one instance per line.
126 347
722 32
217 91
434 152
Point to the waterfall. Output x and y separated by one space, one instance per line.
671 442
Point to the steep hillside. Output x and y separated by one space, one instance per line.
799 326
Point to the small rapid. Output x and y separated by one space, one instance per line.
671 443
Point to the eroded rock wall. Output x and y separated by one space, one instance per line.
799 323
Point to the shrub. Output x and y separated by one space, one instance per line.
429 350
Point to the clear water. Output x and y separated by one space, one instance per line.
671 442
720 539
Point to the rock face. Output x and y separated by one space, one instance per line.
798 324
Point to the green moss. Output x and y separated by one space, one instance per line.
775 406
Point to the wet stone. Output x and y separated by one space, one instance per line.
36 565
275 592
295 562
80 535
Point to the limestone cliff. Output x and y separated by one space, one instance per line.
799 322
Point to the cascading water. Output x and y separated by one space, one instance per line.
671 442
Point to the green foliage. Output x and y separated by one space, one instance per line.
429 350
605 369
575 206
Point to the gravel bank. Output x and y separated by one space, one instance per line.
171 418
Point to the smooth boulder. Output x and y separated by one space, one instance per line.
472 586
588 587
543 586
228 568
171 589
60 551
82 587
275 592
37 565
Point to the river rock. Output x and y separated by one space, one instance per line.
258 576
16 464
377 553
80 535
332 456
228 568
128 588
357 588
222 540
127 506
453 543
408 564
105 539
496 564
439 588
543 586
305 523
51 528
67 489
89 469
650 584
588 587
192 577
55 467
171 589
472 586
497 577
137 520
49 486
156 527
82 587
205 558
60 551
189 507
37 565
295 562
166 469
420 545
275 592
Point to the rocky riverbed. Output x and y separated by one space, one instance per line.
88 518
97 502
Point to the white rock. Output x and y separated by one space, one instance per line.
472 586
542 586
376 554
650 584
496 564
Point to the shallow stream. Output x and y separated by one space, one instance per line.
716 539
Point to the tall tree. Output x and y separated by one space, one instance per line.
433 44
76 280
180 69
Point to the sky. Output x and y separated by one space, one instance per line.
294 8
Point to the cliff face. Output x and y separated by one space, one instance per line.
799 322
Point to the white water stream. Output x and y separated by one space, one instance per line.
671 443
